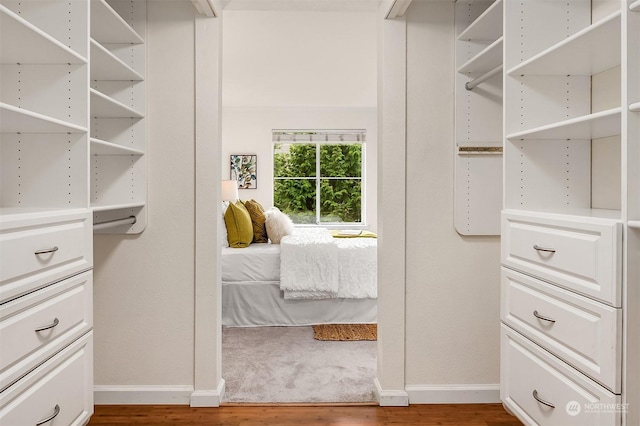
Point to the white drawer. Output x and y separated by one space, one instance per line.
528 372
65 307
64 381
583 255
579 330
38 249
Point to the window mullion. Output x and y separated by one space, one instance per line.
317 184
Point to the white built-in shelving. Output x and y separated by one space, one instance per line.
587 52
107 66
592 126
487 26
20 120
43 48
117 99
571 162
487 59
478 103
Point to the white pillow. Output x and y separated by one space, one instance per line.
222 226
278 225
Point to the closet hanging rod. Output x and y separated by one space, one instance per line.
635 6
113 223
469 85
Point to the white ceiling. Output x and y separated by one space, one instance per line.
305 5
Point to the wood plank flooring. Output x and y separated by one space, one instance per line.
282 415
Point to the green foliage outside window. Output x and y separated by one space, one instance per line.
340 182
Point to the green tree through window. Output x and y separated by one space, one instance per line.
318 182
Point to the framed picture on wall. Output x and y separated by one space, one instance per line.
244 170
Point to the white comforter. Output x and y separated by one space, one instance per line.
314 265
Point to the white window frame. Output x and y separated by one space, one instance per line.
327 137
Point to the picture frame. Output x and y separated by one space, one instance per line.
244 170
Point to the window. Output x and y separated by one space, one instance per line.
318 175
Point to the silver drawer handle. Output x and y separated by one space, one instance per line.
45 251
542 317
56 411
542 401
47 327
547 249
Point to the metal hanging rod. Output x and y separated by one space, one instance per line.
469 85
113 223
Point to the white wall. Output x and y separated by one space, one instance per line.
144 284
452 282
297 70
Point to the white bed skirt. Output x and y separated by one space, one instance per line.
254 304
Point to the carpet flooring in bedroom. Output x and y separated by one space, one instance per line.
287 365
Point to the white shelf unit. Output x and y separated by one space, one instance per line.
561 134
571 162
45 224
478 159
118 135
43 105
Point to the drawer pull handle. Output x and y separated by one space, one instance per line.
542 317
47 327
45 251
547 249
542 401
56 411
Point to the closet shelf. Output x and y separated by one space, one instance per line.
104 106
592 126
487 27
588 52
19 120
109 27
635 6
23 43
107 66
100 147
108 207
634 107
486 60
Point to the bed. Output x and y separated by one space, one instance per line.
309 278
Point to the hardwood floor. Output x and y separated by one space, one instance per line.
283 415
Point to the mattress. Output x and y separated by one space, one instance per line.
256 263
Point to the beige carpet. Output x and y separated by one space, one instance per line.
343 332
287 365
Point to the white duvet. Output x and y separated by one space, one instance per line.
314 265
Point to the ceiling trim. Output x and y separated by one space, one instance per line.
205 7
398 8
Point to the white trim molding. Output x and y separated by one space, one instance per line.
205 7
390 398
142 395
208 398
453 394
398 8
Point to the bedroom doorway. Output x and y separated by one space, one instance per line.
266 88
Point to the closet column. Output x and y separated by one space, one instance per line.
208 381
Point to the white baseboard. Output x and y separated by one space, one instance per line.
145 395
453 394
208 398
390 398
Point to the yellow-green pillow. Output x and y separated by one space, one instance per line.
239 227
257 220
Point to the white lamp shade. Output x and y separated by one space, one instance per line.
229 190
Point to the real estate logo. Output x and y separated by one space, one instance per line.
573 408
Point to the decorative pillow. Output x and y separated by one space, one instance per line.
278 225
239 227
257 220
224 240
